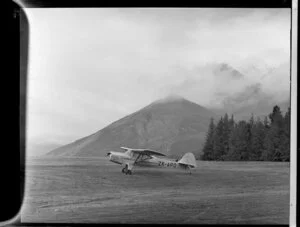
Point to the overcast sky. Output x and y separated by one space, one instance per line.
90 67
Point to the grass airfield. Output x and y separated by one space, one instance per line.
93 190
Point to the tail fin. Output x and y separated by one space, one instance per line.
188 159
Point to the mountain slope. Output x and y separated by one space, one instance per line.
172 126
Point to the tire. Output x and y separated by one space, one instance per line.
125 169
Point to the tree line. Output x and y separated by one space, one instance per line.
252 140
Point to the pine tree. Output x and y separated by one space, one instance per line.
266 123
231 155
218 147
269 145
251 120
225 134
273 139
285 138
250 126
231 122
231 140
209 142
275 115
264 153
238 142
257 140
244 140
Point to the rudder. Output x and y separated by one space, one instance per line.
188 159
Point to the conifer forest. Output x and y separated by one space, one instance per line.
257 139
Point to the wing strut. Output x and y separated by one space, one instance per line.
137 158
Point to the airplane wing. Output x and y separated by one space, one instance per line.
147 152
126 148
144 151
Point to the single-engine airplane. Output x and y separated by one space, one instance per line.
146 158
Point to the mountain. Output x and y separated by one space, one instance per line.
40 148
227 71
252 99
172 126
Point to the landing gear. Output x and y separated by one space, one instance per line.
126 170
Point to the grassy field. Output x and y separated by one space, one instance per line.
93 190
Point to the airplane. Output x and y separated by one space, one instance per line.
147 158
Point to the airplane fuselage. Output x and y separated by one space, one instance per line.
124 158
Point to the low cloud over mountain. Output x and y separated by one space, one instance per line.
174 125
99 65
251 100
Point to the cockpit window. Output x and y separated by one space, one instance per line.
145 157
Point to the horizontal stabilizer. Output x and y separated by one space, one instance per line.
188 159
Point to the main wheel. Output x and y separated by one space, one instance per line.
129 172
125 169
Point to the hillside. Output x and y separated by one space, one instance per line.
172 126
